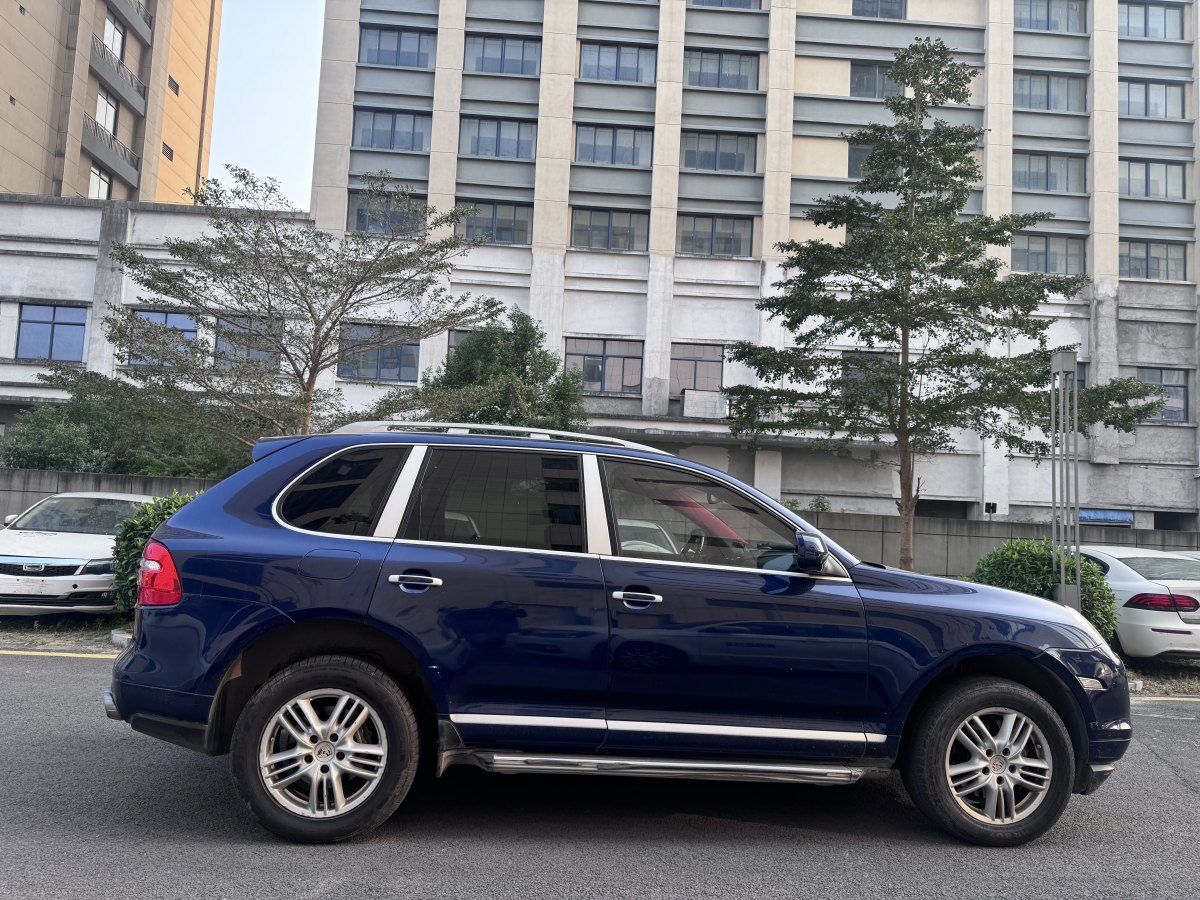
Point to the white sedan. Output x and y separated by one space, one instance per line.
57 555
1158 598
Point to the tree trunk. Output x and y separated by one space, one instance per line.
907 506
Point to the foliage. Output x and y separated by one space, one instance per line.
914 288
500 374
132 535
820 503
278 304
1032 567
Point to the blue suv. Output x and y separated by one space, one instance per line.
358 609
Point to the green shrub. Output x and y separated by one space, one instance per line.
132 535
1031 567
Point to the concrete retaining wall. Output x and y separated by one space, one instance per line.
21 488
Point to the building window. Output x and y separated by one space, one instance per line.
395 362
1055 174
393 218
168 152
603 229
173 85
1049 255
497 138
181 322
1153 260
392 130
855 158
610 146
106 110
497 223
397 47
1150 20
716 69
881 9
729 4
715 235
1174 385
114 37
51 332
1156 180
871 80
1063 16
503 56
99 184
696 367
609 367
229 348
1063 93
608 62
455 337
1150 99
719 152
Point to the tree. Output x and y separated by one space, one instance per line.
500 374
277 303
913 287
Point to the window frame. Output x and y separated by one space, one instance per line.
718 137
1125 258
394 115
54 325
878 6
347 351
713 236
605 356
461 227
695 361
1123 20
699 53
1125 179
400 32
1068 86
114 33
99 176
1070 161
880 80
591 211
108 110
1125 87
1045 252
621 49
504 40
1159 418
647 133
499 122
1065 12
186 334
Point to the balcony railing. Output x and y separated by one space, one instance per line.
126 74
98 132
143 12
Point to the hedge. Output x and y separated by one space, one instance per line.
132 536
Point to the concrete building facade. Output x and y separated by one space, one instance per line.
637 163
107 99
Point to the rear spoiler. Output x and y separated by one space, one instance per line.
268 445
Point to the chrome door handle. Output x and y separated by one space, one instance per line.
424 581
636 597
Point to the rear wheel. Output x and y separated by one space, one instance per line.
325 750
991 763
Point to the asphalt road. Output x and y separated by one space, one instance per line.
89 809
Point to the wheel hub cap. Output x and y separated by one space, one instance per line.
998 766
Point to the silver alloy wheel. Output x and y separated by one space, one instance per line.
998 766
322 753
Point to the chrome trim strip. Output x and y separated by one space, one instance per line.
837 579
525 721
666 768
392 515
595 510
874 738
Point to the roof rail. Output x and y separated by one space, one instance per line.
543 434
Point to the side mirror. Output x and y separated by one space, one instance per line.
811 553
8 520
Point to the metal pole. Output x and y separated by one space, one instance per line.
1063 419
1053 461
1075 465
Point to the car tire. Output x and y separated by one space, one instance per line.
965 775
327 786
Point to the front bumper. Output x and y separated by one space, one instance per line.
26 595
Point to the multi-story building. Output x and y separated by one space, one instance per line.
107 99
636 164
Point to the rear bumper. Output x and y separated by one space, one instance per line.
1146 634
128 703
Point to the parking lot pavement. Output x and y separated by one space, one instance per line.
92 810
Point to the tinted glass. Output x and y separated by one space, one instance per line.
346 494
1159 568
499 499
77 515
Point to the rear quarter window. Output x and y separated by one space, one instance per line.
346 493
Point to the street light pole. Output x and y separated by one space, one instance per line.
1064 470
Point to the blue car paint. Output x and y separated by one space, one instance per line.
855 658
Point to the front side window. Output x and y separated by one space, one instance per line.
1055 174
605 145
1153 260
1150 99
346 494
497 223
696 367
99 184
707 152
881 9
667 514
1049 255
1174 385
1060 93
1150 20
497 138
610 62
51 332
719 69
499 498
397 361
603 229
715 236
398 47
503 56
1155 180
392 130
608 366
871 80
114 37
1062 16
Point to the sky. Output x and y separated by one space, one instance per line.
265 116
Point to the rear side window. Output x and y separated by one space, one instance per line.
501 499
345 494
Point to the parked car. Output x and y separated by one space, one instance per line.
1158 598
56 557
355 607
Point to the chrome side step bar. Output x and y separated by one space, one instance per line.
663 768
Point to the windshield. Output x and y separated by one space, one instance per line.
1158 568
77 515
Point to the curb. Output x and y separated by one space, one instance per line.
122 638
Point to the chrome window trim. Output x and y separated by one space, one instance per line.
412 543
390 519
838 579
595 508
526 721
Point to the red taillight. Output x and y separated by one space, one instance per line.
158 579
1183 603
1164 602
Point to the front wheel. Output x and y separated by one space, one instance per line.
991 763
326 750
